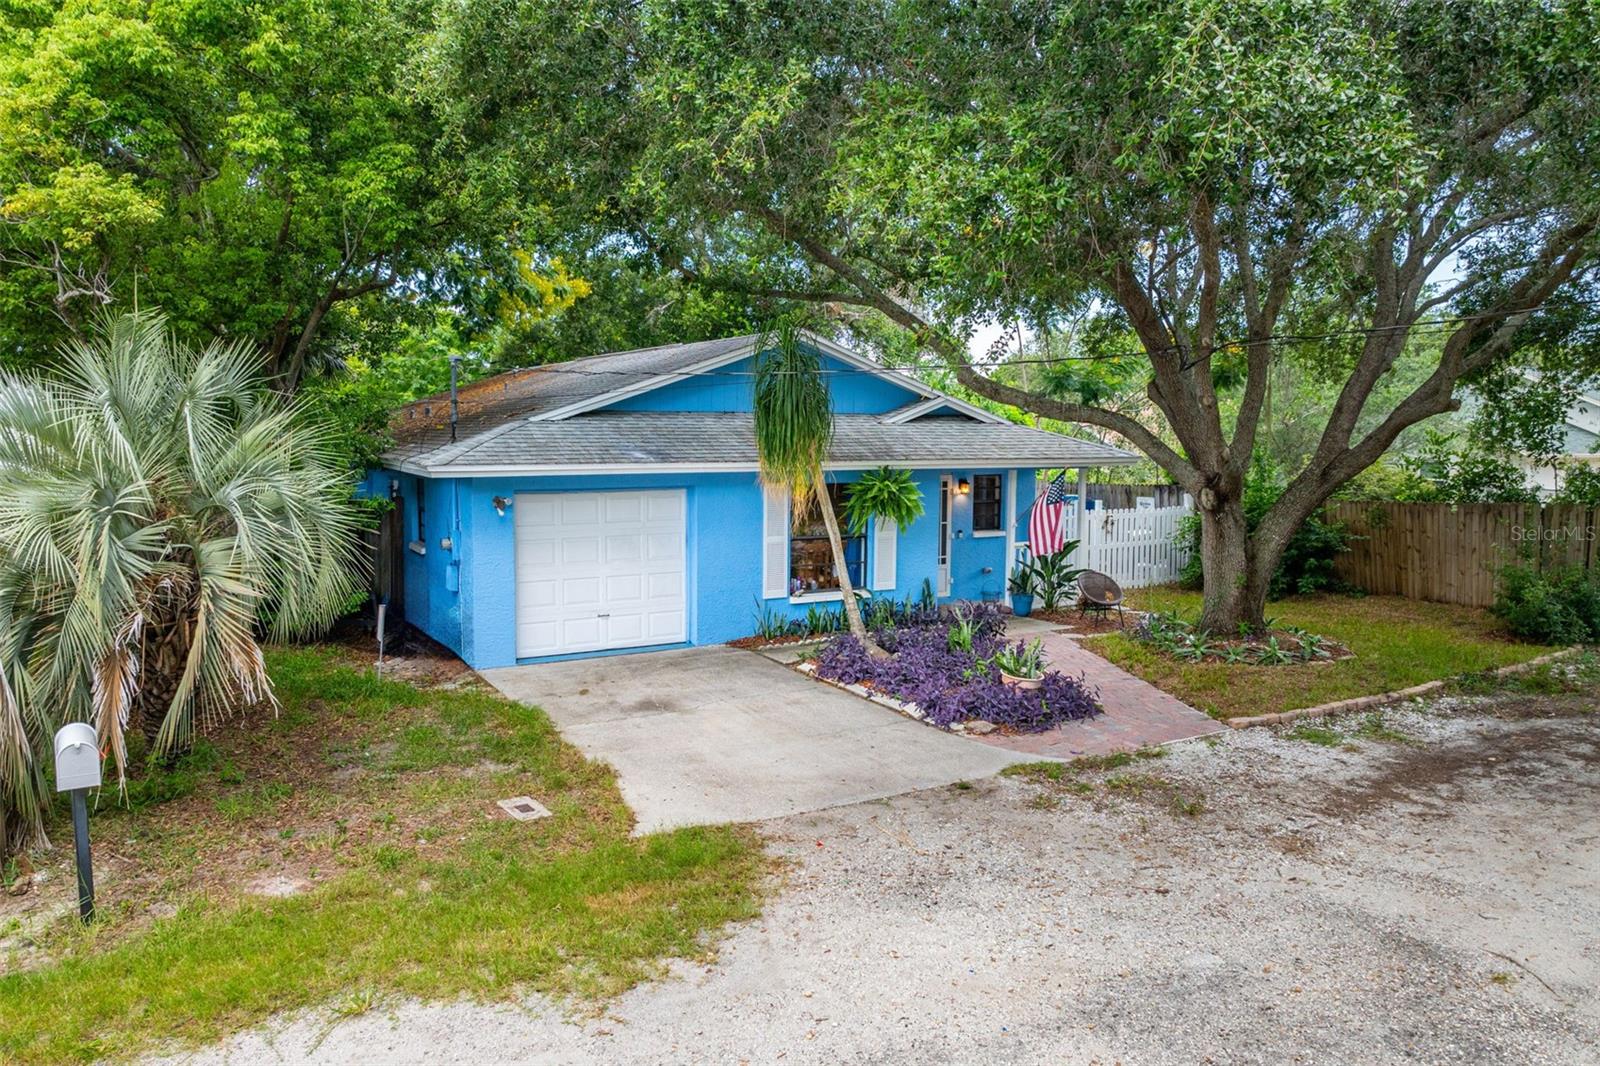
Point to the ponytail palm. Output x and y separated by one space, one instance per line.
161 509
794 426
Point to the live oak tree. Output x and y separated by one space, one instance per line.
1211 175
249 168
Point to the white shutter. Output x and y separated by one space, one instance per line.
885 534
775 542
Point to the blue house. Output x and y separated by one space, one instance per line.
612 503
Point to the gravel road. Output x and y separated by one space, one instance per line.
1432 901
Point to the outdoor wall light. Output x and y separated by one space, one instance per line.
963 486
500 505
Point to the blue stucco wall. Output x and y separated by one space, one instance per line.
855 391
465 596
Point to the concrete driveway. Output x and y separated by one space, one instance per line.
708 735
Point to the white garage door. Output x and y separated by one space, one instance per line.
598 570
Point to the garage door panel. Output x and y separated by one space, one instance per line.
624 589
537 593
581 592
538 638
582 634
665 627
580 509
663 547
664 507
599 570
664 586
624 548
624 508
625 629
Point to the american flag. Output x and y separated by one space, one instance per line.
1045 535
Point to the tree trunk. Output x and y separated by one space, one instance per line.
166 647
1235 588
852 609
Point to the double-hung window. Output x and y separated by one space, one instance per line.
986 497
811 566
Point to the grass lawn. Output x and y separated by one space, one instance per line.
1397 643
374 800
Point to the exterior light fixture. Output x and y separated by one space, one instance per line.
500 505
963 486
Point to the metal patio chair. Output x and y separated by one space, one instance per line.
1097 592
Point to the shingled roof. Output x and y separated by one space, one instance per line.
539 420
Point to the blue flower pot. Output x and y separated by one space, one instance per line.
1021 606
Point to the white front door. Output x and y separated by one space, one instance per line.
599 570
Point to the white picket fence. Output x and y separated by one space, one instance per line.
1137 547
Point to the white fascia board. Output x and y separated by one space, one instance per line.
558 469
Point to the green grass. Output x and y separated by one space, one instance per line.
1397 643
441 902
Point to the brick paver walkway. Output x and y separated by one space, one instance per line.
1137 714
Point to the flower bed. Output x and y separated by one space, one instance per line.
943 668
1279 646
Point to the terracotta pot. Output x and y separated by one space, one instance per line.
1027 684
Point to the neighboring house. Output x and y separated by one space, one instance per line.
1580 444
612 503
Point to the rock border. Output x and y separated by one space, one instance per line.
1357 703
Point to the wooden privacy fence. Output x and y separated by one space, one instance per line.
1136 547
1450 553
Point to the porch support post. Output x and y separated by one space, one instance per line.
1011 532
1083 517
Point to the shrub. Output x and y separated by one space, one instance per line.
1556 606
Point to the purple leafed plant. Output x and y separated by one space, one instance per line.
950 683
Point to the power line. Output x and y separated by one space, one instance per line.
1423 327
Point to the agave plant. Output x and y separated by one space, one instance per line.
162 511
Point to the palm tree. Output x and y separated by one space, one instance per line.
794 426
162 508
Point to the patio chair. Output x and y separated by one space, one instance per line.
1097 592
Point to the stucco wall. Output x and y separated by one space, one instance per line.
473 610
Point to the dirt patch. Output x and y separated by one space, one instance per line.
1434 778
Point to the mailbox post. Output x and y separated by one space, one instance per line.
77 771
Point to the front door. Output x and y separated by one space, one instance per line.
945 495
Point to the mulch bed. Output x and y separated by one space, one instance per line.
1089 621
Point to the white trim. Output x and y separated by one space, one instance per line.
981 534
834 596
1011 524
551 469
774 542
947 519
883 550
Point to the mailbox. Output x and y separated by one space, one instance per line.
77 757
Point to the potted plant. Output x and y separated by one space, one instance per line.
1024 582
1020 666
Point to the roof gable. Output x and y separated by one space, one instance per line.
620 380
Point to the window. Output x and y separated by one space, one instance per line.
811 568
986 503
422 533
